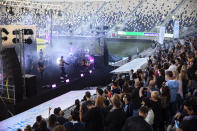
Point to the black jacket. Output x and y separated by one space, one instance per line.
94 120
114 121
136 124
74 126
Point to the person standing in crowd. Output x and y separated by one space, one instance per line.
59 128
190 120
115 88
116 118
173 86
60 116
135 99
120 81
137 123
28 128
77 105
36 125
93 118
131 74
128 107
83 108
74 124
150 116
160 79
172 66
165 103
43 126
184 80
52 122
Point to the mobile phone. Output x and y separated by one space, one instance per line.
177 124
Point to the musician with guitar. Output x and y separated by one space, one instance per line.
41 68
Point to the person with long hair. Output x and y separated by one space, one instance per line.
52 122
165 102
184 79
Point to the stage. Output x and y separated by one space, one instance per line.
100 76
29 117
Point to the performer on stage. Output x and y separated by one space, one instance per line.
41 54
41 68
62 62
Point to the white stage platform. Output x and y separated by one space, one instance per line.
29 117
134 64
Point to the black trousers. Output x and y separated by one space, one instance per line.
41 75
63 73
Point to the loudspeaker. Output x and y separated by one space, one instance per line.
30 85
12 70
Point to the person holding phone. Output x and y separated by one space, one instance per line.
189 122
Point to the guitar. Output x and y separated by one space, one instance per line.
40 69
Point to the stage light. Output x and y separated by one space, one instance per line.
54 86
5 31
15 40
90 71
25 31
28 32
58 60
91 59
67 80
4 38
28 41
15 32
82 75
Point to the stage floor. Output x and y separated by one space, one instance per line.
29 117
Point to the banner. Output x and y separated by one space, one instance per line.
176 29
162 34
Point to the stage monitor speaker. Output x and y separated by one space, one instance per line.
30 85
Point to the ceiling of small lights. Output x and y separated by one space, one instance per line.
59 0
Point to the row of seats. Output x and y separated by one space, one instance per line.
83 17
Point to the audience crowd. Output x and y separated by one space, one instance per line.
161 97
